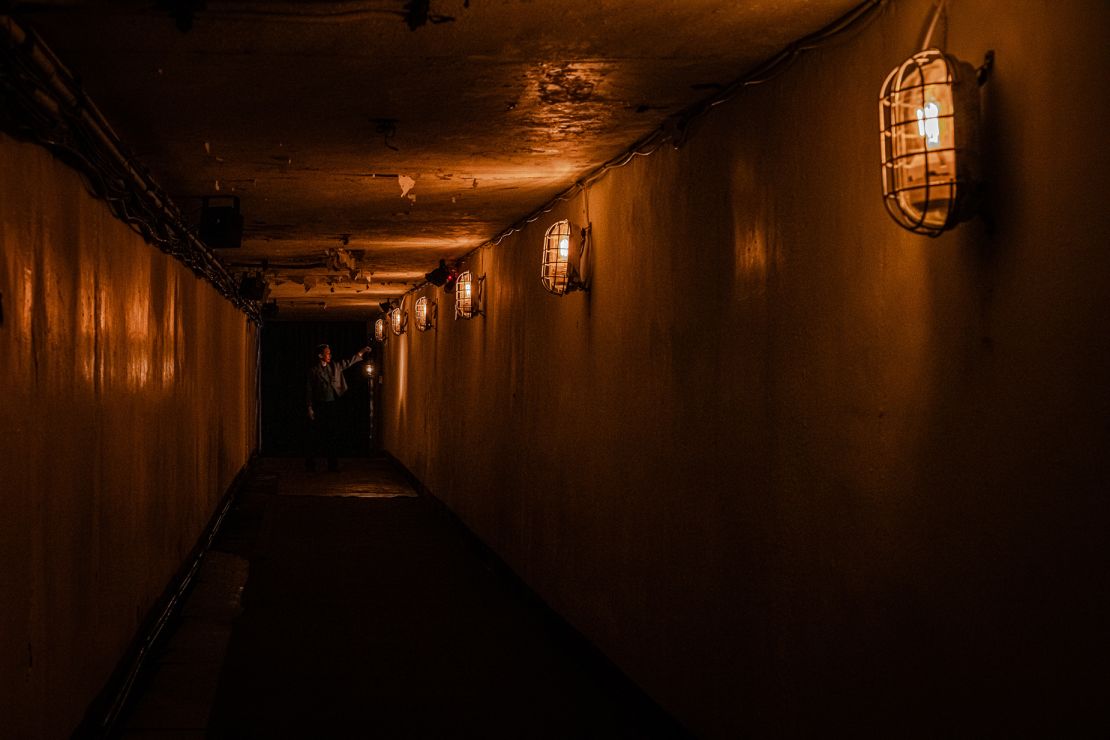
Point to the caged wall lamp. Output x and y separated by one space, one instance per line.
397 321
466 296
929 134
425 313
558 271
379 330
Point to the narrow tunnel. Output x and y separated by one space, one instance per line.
756 459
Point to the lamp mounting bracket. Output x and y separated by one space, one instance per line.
983 73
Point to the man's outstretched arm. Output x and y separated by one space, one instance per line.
344 364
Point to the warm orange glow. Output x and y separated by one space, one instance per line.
464 296
397 319
927 147
555 272
86 320
27 308
169 333
103 334
137 327
379 330
422 322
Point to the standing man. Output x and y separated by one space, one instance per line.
325 385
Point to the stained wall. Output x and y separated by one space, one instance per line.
792 468
128 407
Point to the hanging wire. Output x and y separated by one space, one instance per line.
586 204
940 9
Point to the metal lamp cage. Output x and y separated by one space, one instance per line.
423 314
379 330
397 321
557 274
466 298
928 119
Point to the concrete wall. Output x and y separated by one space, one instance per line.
790 466
128 407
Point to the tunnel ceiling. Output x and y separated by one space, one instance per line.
401 132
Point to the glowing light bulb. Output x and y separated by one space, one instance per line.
929 119
557 273
927 124
464 297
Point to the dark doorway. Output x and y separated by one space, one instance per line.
288 348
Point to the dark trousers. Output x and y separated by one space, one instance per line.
323 435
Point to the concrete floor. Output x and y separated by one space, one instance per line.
345 605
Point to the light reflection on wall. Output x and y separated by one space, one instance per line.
103 488
402 370
911 383
103 321
756 234
750 256
86 321
53 304
169 333
138 337
27 307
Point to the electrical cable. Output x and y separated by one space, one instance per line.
940 9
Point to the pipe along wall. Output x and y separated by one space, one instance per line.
793 468
128 408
